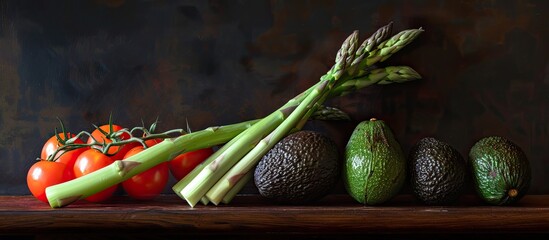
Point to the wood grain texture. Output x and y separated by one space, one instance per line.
250 214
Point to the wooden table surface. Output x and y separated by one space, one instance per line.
336 214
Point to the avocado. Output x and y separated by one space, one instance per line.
375 167
500 169
437 172
301 168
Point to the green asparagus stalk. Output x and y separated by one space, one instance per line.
191 175
387 75
196 189
244 165
376 76
65 193
382 76
355 65
341 71
232 182
182 184
366 47
204 201
379 76
387 48
202 183
237 187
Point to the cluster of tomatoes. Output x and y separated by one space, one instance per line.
71 164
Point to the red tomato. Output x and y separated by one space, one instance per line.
149 184
152 142
102 138
66 157
89 161
184 163
43 174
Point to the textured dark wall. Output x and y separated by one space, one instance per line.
484 67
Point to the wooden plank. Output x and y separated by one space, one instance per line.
250 214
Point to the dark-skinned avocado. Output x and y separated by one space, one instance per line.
301 168
500 169
437 172
375 167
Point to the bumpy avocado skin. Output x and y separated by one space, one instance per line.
437 172
375 167
500 169
301 168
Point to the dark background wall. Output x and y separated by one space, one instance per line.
484 67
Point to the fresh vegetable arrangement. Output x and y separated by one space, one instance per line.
223 174
71 169
92 166
66 156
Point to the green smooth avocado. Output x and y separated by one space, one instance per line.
437 172
500 170
375 167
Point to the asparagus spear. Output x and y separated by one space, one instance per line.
341 71
196 189
209 175
237 187
387 75
244 165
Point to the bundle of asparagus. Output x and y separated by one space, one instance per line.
223 174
